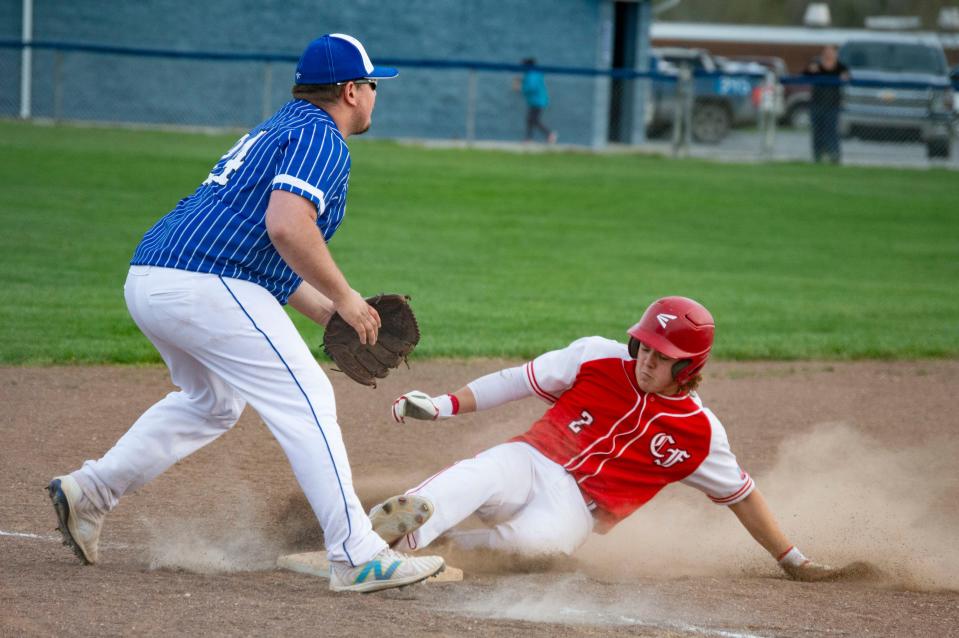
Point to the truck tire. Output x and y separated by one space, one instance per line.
711 122
938 148
798 115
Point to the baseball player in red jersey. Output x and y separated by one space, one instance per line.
624 421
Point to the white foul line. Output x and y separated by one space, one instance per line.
675 626
56 538
25 535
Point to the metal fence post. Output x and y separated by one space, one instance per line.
57 85
688 100
770 101
26 62
682 119
471 106
267 89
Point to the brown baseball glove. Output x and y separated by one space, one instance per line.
398 335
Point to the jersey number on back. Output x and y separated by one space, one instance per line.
234 157
578 425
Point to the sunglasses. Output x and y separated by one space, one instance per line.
372 83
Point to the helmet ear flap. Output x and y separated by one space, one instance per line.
633 347
679 366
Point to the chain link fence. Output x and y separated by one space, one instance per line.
103 84
10 63
797 118
745 113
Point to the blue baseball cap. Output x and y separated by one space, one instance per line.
335 58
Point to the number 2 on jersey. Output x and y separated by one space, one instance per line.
236 156
578 425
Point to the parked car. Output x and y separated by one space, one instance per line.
761 64
721 100
893 112
796 97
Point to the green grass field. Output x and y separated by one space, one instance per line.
510 254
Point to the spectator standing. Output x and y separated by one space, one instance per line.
537 99
826 104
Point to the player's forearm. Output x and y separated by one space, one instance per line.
291 225
481 394
486 392
306 253
466 399
754 514
443 406
312 303
497 388
756 517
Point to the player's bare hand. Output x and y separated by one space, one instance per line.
361 316
416 405
813 572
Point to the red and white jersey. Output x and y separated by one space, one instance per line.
623 445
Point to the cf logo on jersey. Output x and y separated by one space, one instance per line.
668 457
663 318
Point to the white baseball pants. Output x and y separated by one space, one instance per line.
228 342
530 504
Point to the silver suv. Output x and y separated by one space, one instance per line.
908 95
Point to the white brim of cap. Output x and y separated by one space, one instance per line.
382 73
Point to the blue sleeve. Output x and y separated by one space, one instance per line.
315 165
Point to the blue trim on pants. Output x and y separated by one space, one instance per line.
346 508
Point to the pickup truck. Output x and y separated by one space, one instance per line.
722 99
905 92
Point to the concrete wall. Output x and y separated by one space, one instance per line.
420 103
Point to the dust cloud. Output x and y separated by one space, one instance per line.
839 495
229 539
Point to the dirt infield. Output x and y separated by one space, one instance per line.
857 459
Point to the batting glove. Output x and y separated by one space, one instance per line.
800 568
419 405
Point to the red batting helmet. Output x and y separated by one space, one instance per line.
679 328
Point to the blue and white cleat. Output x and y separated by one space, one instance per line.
78 520
387 569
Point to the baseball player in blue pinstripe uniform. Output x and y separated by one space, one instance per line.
207 286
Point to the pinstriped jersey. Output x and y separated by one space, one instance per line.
623 445
221 227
